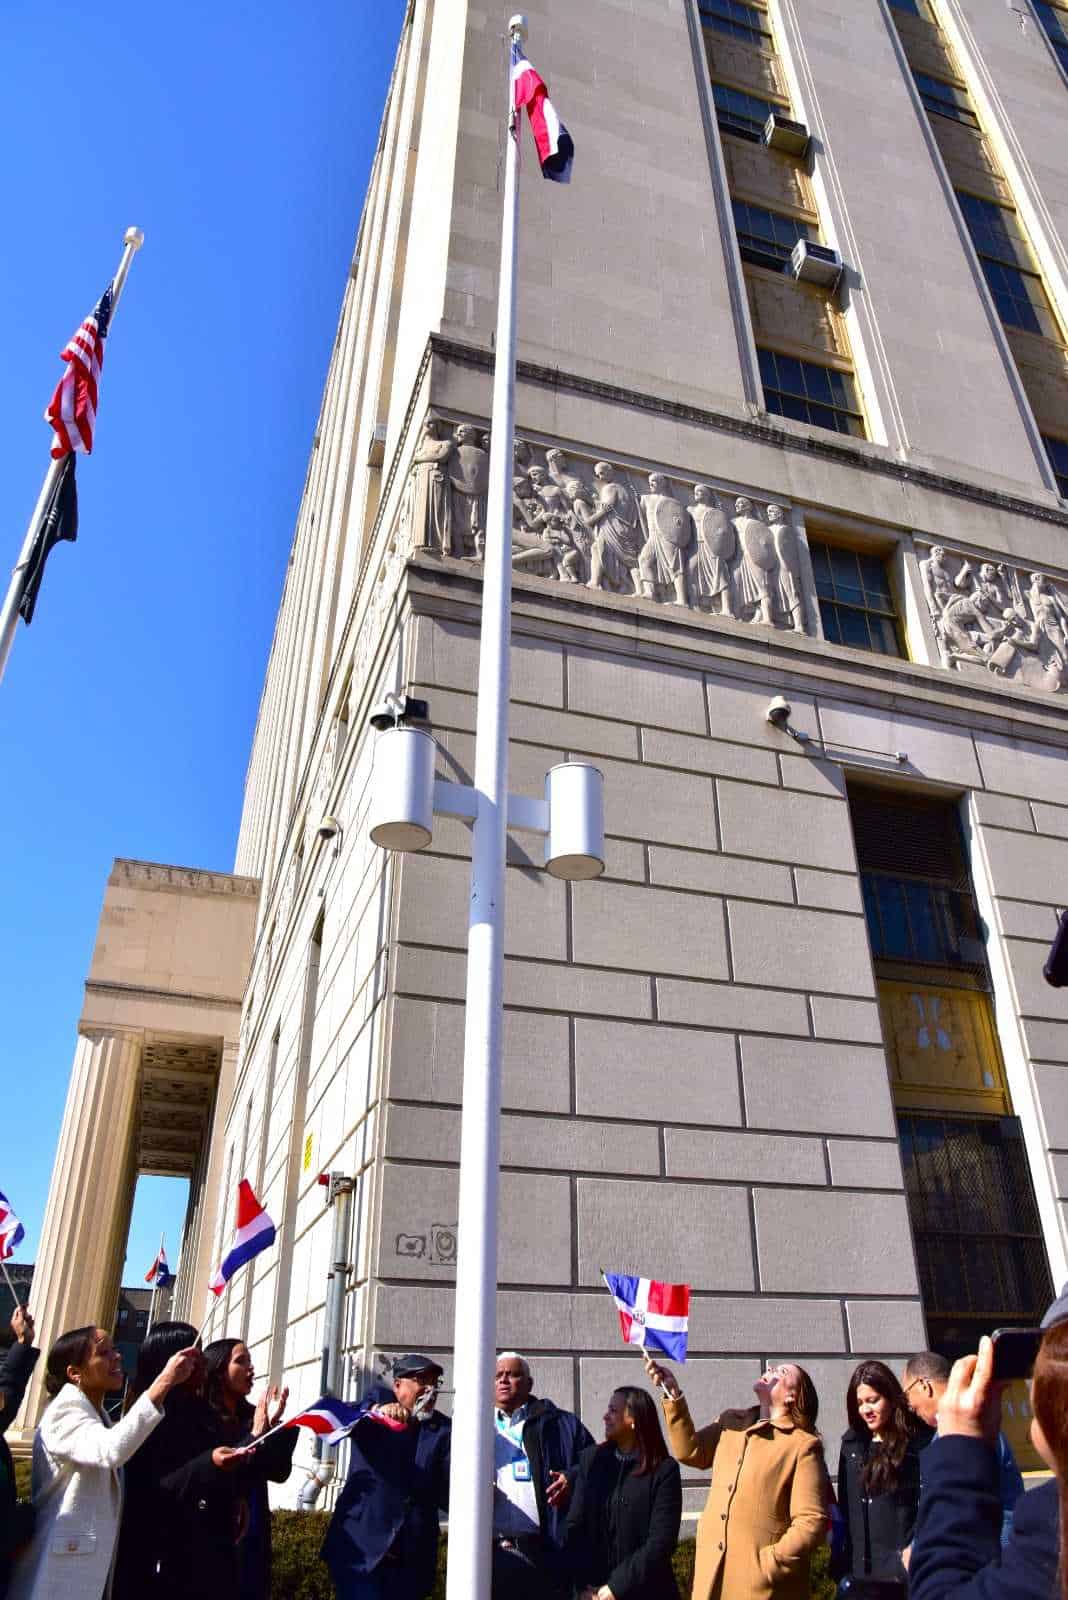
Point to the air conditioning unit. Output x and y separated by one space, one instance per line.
816 263
782 134
376 445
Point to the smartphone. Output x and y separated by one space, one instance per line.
1015 1350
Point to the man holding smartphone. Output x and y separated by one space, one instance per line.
924 1381
956 1550
537 1446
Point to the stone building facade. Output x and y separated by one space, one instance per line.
794 1047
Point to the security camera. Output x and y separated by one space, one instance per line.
329 828
398 708
779 711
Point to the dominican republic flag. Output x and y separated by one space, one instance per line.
159 1272
556 148
651 1314
332 1419
253 1232
72 409
12 1232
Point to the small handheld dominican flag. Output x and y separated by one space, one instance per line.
333 1419
253 1232
159 1272
652 1314
556 148
12 1232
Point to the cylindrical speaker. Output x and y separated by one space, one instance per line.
575 847
402 789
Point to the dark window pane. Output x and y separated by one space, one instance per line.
736 18
873 577
945 99
740 113
890 899
809 392
1057 450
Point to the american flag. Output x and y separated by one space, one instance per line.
72 409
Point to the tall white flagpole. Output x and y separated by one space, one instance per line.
133 240
474 1339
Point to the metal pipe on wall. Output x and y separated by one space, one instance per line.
340 1192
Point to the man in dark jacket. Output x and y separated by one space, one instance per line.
537 1448
382 1542
957 1552
16 1365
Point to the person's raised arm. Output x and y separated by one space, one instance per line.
694 1447
70 1435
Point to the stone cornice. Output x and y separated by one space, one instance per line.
613 623
761 431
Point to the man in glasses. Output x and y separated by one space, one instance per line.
382 1542
924 1381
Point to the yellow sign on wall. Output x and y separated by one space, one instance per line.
309 1150
943 1049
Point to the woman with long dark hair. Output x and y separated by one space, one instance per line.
78 1458
767 1503
184 1494
879 1473
626 1507
230 1376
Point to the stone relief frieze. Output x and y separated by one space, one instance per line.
611 528
998 618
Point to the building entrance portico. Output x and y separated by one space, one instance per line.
157 1044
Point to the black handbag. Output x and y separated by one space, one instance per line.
867 1587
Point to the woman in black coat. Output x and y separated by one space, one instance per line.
879 1473
626 1507
229 1383
184 1507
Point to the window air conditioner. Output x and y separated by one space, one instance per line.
782 134
376 445
816 263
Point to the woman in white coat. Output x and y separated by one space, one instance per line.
77 1466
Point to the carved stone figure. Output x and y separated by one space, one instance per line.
429 500
669 532
714 549
784 535
618 538
986 620
759 562
469 479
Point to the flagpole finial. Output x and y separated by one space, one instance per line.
517 26
134 237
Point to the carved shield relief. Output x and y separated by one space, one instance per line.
668 519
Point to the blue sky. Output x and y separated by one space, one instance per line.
240 139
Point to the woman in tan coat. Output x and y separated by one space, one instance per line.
767 1503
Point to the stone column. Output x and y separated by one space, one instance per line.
87 1219
198 1245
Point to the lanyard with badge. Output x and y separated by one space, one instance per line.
513 1432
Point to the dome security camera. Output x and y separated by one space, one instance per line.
778 712
397 708
329 828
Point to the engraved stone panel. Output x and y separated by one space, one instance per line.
969 160
767 176
991 618
740 64
790 313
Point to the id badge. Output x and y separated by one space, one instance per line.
521 1470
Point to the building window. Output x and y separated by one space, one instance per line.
978 1237
1008 266
1055 22
810 393
765 238
740 113
739 20
856 605
945 100
1057 450
915 8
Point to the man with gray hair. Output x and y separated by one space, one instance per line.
924 1381
536 1446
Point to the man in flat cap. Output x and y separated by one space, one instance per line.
382 1542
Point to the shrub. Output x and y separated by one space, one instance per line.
23 1471
298 1574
